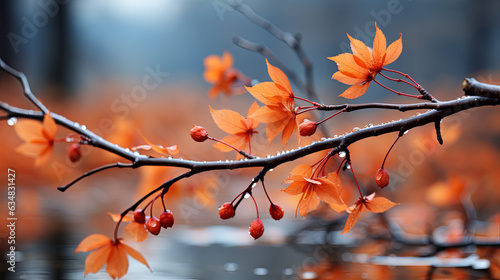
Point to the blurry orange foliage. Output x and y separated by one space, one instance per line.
38 138
220 72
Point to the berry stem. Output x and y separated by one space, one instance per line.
256 207
320 122
355 180
265 191
230 146
383 163
163 202
115 234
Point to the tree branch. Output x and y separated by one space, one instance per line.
24 83
291 41
472 87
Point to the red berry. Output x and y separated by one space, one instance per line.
139 216
382 178
256 228
276 211
167 219
226 211
198 133
153 225
307 128
74 152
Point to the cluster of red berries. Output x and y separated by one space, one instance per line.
153 224
227 211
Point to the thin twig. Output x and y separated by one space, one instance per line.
97 170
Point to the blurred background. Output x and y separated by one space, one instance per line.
86 59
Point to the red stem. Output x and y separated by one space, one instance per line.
355 180
222 142
398 80
383 163
397 92
308 108
303 99
256 208
265 191
320 122
404 75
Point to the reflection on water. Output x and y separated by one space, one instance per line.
216 252
227 252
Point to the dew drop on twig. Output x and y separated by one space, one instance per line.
12 121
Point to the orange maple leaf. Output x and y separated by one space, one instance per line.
372 203
240 129
135 230
38 138
171 150
313 190
220 72
114 254
279 112
360 68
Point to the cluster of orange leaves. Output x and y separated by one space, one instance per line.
278 113
360 68
328 189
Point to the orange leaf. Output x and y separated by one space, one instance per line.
235 140
172 150
227 120
273 129
92 242
379 204
355 91
353 217
49 126
329 191
278 76
116 217
288 131
308 202
361 50
270 114
379 46
134 254
254 107
264 92
348 66
136 231
343 78
394 50
96 260
117 262
29 131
